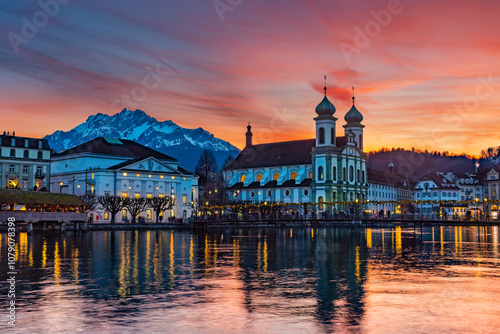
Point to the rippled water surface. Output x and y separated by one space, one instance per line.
321 280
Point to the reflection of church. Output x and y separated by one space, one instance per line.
328 168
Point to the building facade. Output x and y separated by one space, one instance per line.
24 163
491 187
325 169
106 166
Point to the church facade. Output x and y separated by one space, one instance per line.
325 169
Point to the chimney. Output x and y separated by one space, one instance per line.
249 135
391 168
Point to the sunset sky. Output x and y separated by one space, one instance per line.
426 73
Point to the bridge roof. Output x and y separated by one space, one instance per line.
14 196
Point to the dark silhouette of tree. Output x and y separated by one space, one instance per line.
160 204
206 169
112 204
135 206
90 201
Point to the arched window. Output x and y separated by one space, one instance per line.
243 178
358 176
334 195
320 173
276 176
259 177
332 136
293 176
12 152
269 193
320 201
343 174
252 194
334 173
311 174
26 154
306 192
351 173
321 134
40 155
363 176
361 142
287 193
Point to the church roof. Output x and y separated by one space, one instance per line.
386 178
297 152
116 147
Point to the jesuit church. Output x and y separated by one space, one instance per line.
328 168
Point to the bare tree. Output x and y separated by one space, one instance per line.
135 206
90 201
112 204
160 204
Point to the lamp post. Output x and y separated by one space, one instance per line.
485 206
477 207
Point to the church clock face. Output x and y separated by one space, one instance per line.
351 151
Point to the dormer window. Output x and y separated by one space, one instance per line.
26 143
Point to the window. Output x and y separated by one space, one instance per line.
184 199
276 176
363 176
252 194
12 152
294 175
236 194
343 174
124 195
25 169
39 170
124 213
321 135
26 154
26 143
351 173
360 142
358 176
12 142
320 201
11 169
40 144
334 195
40 155
306 192
259 177
269 193
149 195
287 193
334 173
137 195
332 136
310 174
106 215
25 184
148 214
320 173
243 178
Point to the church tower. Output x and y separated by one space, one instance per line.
353 119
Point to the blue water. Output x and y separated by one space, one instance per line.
276 280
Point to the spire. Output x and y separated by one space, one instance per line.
249 135
325 85
353 95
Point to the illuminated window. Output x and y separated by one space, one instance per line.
148 214
137 195
310 174
259 177
243 178
149 175
124 195
320 201
149 195
320 173
173 177
138 175
294 175
184 199
106 215
276 176
124 214
125 174
92 176
161 176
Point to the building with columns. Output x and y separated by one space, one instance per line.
108 166
327 168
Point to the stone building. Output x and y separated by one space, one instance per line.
24 162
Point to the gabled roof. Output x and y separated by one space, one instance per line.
297 152
394 180
116 147
440 182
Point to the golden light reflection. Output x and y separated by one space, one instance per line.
433 239
23 247
358 266
135 271
191 256
265 255
31 259
207 253
44 254
369 237
171 266
148 256
57 264
312 233
124 270
157 259
383 242
455 234
399 243
291 233
75 262
495 240
441 235
236 252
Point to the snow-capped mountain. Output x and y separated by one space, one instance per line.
167 137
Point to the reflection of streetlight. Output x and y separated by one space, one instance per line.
477 208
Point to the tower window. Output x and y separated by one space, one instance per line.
243 178
310 174
320 173
259 177
351 173
320 201
276 176
294 175
334 173
332 136
321 134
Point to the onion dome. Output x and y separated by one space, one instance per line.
325 107
353 115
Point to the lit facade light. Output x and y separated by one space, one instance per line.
125 174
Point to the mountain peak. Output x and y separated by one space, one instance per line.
167 137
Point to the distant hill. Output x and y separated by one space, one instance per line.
167 137
416 163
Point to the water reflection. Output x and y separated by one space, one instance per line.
258 280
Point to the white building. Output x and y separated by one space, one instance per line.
328 168
106 166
